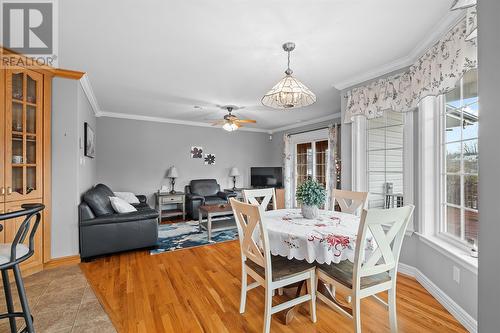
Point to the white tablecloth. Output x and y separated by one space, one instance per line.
330 238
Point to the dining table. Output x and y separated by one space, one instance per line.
328 239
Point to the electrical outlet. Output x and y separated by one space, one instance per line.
456 274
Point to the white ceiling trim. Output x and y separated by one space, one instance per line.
446 23
89 92
304 123
171 121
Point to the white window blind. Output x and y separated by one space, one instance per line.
385 154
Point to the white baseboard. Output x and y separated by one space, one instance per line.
449 304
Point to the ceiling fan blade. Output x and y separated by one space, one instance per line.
243 121
218 122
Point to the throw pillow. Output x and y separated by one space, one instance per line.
127 196
121 206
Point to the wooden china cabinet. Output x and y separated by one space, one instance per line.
25 97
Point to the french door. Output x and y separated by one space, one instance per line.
311 162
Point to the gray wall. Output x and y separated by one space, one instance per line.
72 173
489 164
135 155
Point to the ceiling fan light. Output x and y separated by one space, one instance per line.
230 127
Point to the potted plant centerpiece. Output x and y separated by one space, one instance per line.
311 195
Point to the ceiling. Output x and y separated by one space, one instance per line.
160 59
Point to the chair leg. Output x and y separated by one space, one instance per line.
23 299
244 283
393 320
356 314
311 287
268 306
8 299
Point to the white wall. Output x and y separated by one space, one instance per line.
70 177
489 165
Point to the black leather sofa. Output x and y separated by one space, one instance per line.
204 192
102 231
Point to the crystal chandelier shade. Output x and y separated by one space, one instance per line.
289 92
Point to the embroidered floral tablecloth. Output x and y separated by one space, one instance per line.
330 238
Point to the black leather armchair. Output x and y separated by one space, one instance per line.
102 231
204 192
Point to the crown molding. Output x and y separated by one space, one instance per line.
170 121
442 27
89 92
305 123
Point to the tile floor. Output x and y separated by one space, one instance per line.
61 301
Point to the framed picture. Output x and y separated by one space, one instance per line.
89 138
196 152
209 159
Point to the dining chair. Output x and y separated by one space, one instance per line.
372 275
265 194
270 272
349 201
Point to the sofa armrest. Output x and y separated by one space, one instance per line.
144 214
193 197
142 198
226 195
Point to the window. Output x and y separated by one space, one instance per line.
385 153
459 164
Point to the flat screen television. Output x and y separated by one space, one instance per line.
266 177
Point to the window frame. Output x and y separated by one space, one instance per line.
440 226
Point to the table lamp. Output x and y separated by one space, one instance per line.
234 173
172 174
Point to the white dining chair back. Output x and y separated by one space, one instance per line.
248 219
350 202
265 195
269 272
377 272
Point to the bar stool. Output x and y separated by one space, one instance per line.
11 255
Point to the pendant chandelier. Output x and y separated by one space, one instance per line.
289 93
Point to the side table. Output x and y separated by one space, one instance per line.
165 201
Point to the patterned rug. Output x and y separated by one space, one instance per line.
184 235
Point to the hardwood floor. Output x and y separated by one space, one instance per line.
198 290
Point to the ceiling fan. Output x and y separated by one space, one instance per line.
230 122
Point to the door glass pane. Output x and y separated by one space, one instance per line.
453 157
471 156
30 179
453 189
17 179
453 221
30 150
17 86
31 119
470 192
321 161
471 225
17 149
17 117
31 95
304 162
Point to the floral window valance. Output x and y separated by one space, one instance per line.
435 73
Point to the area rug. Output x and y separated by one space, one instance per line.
184 235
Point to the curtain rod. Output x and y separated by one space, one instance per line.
312 130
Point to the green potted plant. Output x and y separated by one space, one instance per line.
311 195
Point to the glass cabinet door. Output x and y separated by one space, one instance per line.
23 135
3 190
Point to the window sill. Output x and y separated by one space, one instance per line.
455 253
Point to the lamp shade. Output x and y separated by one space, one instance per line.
172 172
234 172
289 93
